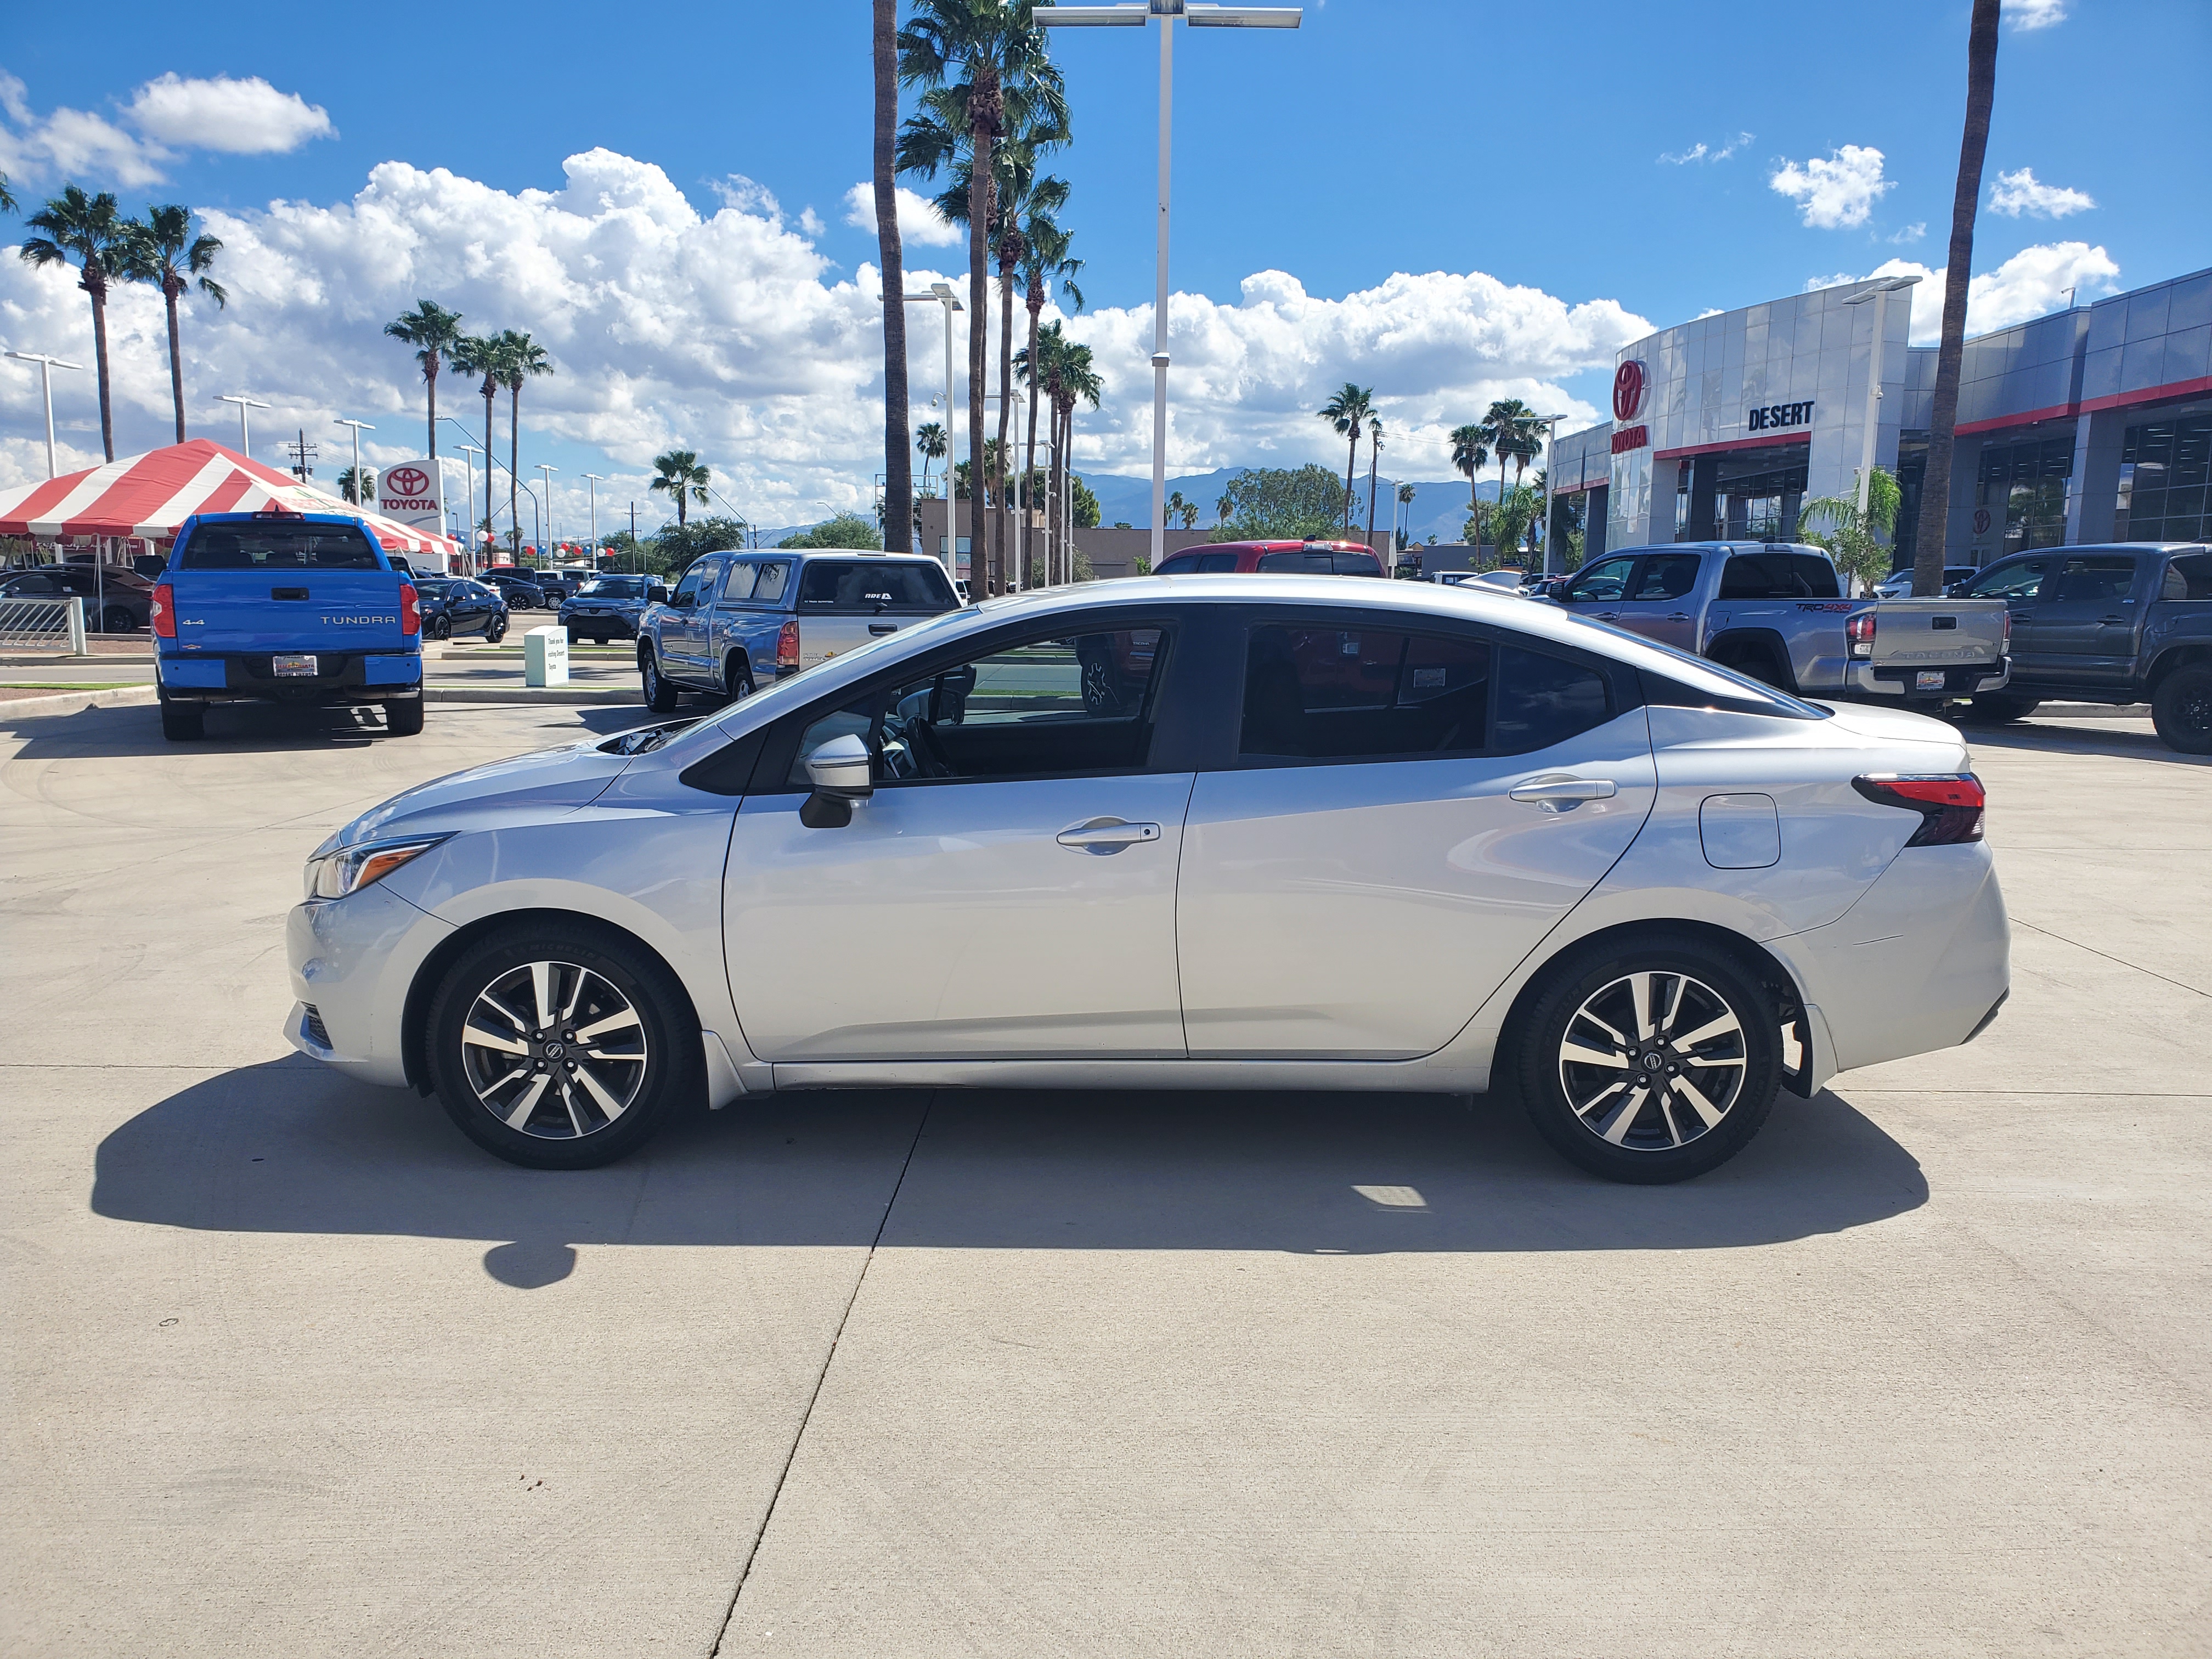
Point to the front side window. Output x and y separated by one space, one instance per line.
687 591
1185 564
2023 580
1063 707
1666 576
276 545
1605 579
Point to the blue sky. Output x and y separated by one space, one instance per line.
1396 135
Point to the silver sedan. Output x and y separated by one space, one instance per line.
1252 832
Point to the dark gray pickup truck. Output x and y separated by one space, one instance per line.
2127 623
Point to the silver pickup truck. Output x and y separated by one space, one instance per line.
738 620
1777 612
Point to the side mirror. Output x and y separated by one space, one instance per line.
656 595
841 773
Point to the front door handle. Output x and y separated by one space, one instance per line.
881 629
1557 793
2112 621
1678 616
1608 616
1104 835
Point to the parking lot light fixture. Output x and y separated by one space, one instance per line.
359 427
591 482
941 294
1550 425
46 367
245 427
1198 15
548 472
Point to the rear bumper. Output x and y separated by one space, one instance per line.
342 677
1870 680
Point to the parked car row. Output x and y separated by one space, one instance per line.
117 600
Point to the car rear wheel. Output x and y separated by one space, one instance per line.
116 620
2000 710
442 627
2181 709
660 694
403 719
182 722
1649 1061
736 680
560 1048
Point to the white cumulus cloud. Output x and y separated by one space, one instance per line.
2032 283
2016 193
920 225
240 117
1836 192
2025 14
68 142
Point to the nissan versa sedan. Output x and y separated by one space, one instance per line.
1254 831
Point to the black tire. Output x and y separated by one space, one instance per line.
1995 708
563 1127
736 680
1756 663
496 632
184 722
442 627
660 693
116 620
403 719
574 638
1652 1147
2181 709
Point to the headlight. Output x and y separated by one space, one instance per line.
352 868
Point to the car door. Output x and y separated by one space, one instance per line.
471 610
1660 602
2019 582
683 628
2087 617
1008 891
1411 805
1597 590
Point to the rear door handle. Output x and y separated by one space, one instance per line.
1608 616
1562 794
1103 836
883 628
1678 616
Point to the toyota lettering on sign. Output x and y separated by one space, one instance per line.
413 492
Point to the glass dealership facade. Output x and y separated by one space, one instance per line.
2087 425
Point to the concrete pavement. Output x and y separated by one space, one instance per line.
292 1368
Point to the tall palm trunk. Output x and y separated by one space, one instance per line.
94 282
1943 418
1351 466
492 413
1034 301
430 386
984 112
514 460
898 458
1009 250
1374 459
170 287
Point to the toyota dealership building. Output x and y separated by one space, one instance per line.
2089 425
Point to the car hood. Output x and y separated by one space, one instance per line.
549 783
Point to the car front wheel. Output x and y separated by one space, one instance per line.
1649 1061
560 1048
660 693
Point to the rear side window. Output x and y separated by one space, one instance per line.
2100 579
739 584
1545 700
1185 564
767 589
1355 564
868 584
1779 575
278 544
2188 577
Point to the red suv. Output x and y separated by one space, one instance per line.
1283 558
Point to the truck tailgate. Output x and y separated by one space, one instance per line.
1937 633
833 634
311 610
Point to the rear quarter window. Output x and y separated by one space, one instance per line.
278 545
868 584
2189 576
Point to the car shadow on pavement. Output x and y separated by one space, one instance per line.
2067 738
263 728
288 1147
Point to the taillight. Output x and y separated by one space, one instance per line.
164 612
2005 650
411 609
786 648
1949 804
1859 630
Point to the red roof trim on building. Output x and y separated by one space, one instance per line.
2172 392
2056 412
2171 389
1762 442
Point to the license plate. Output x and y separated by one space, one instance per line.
1929 680
294 667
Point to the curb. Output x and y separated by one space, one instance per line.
74 702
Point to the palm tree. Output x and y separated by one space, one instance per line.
88 229
984 68
433 331
898 470
1850 538
1513 431
1040 366
7 197
1374 459
1407 494
1078 382
520 357
1943 416
1470 453
480 355
1044 259
1348 410
929 438
357 485
682 475
160 249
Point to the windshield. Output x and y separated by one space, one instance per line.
278 544
613 587
874 584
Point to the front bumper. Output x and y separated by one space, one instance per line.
1900 684
604 621
352 962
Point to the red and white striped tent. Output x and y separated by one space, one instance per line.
148 495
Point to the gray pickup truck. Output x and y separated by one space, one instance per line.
2126 623
1777 612
736 620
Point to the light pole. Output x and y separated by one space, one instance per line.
941 294
548 472
1880 295
244 430
591 482
537 518
470 453
359 427
46 367
1550 425
1198 15
1017 577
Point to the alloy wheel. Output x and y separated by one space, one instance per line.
554 1050
1653 1060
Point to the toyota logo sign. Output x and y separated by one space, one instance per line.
1628 389
1981 521
413 481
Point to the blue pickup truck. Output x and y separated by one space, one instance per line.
287 608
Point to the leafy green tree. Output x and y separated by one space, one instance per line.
1348 410
1273 503
90 230
679 544
1507 520
160 249
1083 508
433 331
1850 537
681 475
844 529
